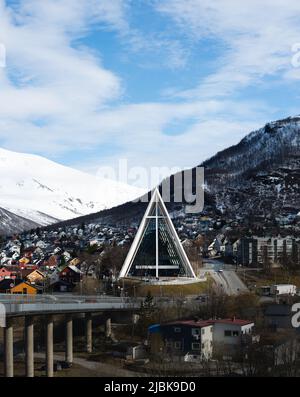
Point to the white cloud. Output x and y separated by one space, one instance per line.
256 38
138 131
56 97
46 77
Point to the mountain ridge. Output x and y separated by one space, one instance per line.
260 173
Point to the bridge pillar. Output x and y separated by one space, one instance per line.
49 346
8 349
69 339
89 332
108 328
29 346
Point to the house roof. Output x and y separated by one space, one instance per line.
74 268
190 323
207 323
234 321
35 271
9 283
5 269
26 272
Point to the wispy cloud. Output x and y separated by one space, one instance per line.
46 76
58 96
256 39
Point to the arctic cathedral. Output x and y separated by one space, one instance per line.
156 251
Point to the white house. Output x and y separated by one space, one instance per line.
196 340
229 334
283 289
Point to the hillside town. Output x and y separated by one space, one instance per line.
150 192
204 331
57 259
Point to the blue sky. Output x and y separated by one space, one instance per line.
161 83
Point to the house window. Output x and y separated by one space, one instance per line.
203 331
195 346
195 331
235 333
177 345
177 330
227 333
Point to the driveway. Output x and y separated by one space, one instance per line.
103 369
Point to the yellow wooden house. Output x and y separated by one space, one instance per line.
10 286
24 288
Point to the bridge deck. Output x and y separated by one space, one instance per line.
20 305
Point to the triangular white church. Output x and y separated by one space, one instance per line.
156 250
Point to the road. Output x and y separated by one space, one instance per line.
225 277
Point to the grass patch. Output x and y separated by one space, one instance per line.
276 276
139 288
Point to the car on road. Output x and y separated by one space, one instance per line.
202 298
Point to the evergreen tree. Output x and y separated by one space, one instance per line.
148 305
147 314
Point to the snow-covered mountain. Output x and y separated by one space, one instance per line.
40 191
258 176
12 223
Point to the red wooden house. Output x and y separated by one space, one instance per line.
70 274
6 273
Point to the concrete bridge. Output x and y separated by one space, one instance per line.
31 306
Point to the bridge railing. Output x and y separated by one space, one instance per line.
26 298
43 308
17 304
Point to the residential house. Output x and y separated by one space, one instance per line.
6 273
215 247
74 262
17 286
226 248
35 277
52 262
181 337
70 274
230 334
194 340
24 261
